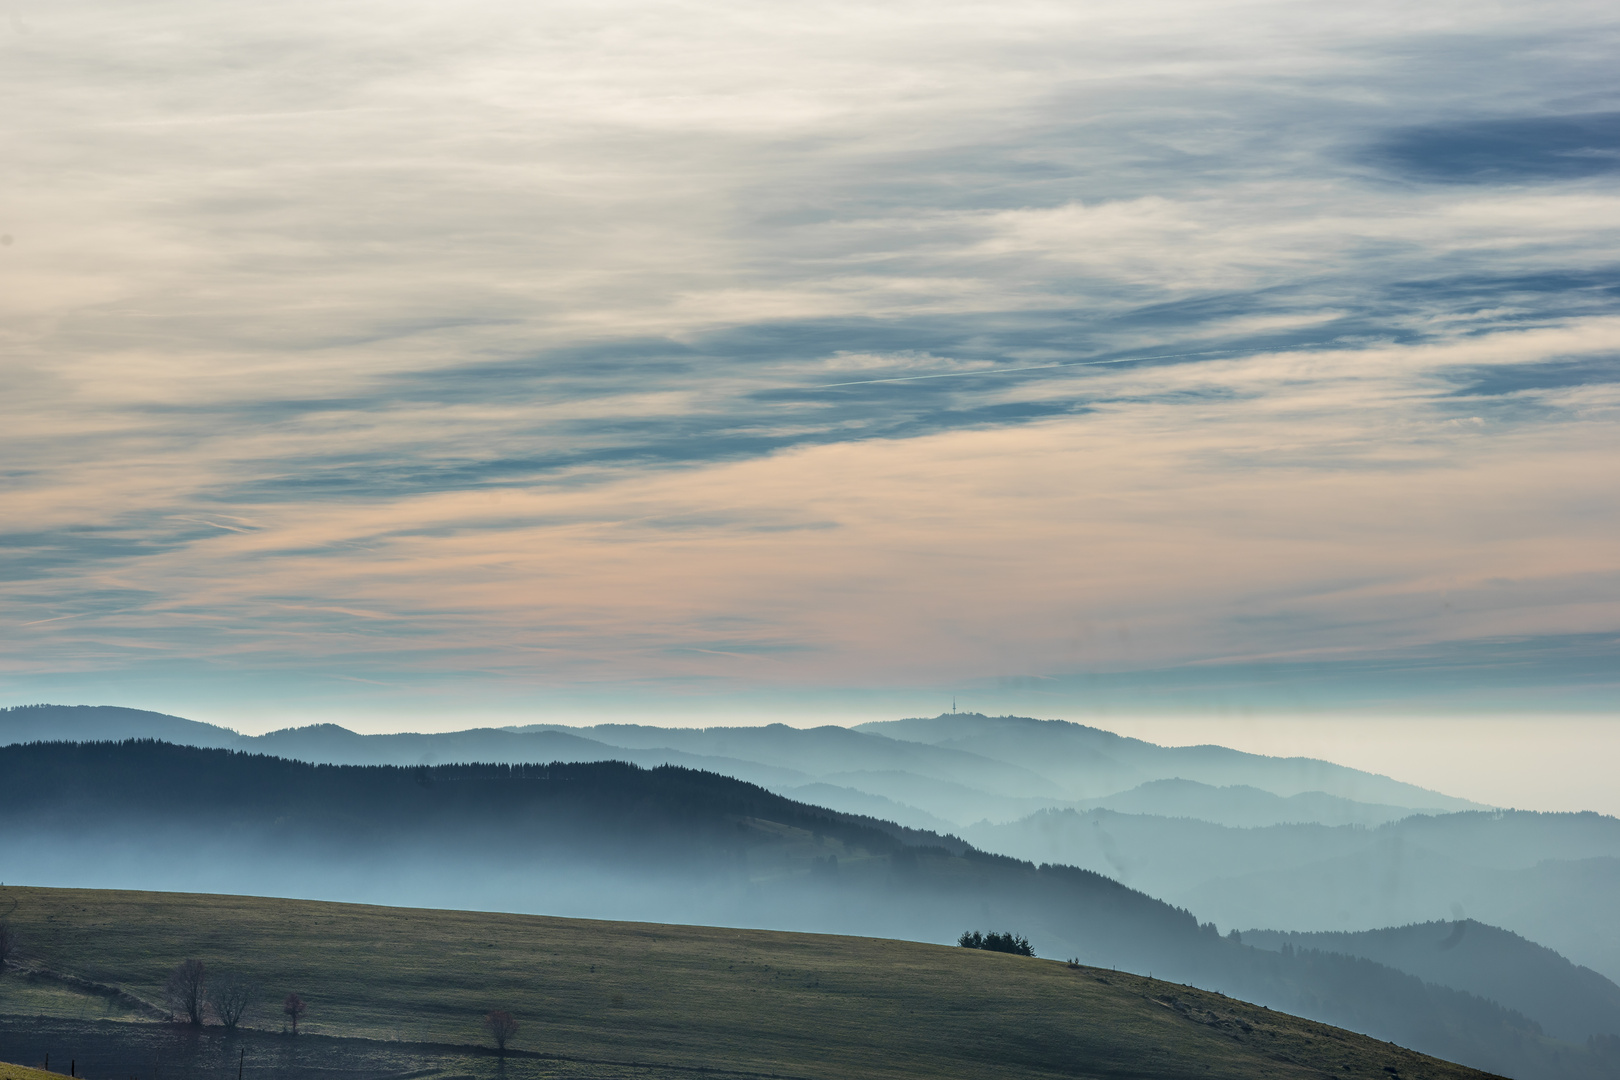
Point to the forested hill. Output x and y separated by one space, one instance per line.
669 844
568 804
612 840
1569 1001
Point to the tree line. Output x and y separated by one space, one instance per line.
194 995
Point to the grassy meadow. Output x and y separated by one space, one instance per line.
664 999
20 1072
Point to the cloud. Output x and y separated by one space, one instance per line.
818 347
1300 502
1505 150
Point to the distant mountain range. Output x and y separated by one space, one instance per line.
956 769
1241 839
1243 807
669 845
1555 878
1245 839
1569 1002
1089 763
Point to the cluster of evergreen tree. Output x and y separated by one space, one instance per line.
1007 943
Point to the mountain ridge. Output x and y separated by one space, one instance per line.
1568 1001
1002 785
611 839
1041 739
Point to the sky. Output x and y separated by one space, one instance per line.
411 365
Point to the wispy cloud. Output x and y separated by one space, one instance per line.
803 346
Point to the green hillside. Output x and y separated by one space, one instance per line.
670 998
9 1071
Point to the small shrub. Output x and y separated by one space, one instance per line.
8 945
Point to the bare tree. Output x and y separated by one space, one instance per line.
187 991
230 995
8 945
294 1008
501 1026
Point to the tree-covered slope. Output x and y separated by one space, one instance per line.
1568 1001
